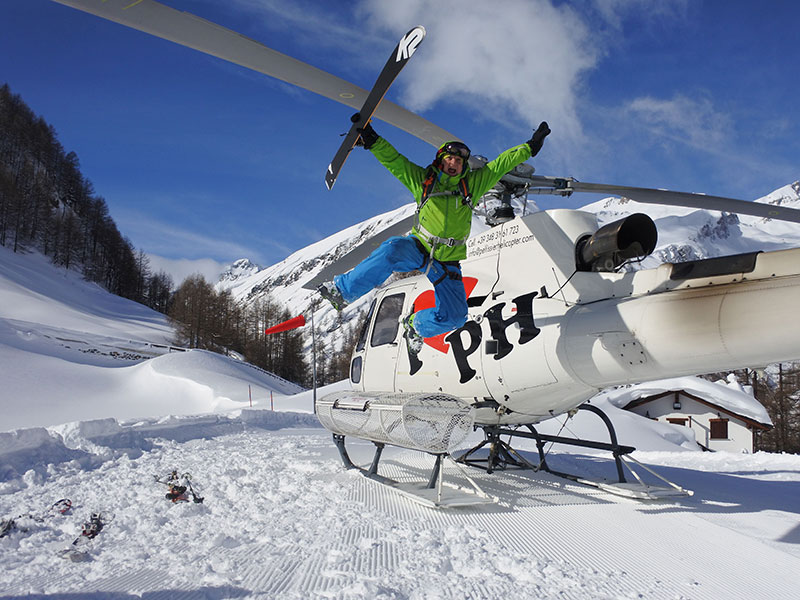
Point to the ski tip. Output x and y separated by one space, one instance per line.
409 42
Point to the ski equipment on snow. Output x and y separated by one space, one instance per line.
398 59
89 530
92 527
180 488
23 522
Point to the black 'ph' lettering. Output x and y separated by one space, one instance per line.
460 353
523 317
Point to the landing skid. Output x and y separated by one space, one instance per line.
503 456
436 493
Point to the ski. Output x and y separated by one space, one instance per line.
90 529
397 60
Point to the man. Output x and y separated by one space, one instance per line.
445 192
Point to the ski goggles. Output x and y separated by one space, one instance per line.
456 149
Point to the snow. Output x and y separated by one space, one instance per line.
71 351
96 402
727 394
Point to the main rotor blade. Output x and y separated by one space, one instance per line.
360 252
653 196
195 32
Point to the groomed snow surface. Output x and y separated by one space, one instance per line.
282 518
86 417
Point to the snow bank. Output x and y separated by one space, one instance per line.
228 377
21 451
90 443
74 389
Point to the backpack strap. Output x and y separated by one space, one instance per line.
427 186
430 181
463 186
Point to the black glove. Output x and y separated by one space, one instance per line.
536 141
367 133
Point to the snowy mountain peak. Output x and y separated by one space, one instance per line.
240 269
788 195
721 229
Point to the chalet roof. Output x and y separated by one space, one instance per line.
718 407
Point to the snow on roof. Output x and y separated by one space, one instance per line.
730 394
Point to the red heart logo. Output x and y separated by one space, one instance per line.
427 300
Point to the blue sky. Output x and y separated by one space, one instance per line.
203 162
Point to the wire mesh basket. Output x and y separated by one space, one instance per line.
429 422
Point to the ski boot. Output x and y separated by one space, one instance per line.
177 493
93 526
413 339
331 293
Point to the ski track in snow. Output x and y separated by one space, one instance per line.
283 519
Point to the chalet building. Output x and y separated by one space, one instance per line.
715 427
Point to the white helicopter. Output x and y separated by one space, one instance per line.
552 320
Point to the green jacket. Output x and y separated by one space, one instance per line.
447 216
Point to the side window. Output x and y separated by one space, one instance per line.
355 370
362 337
387 322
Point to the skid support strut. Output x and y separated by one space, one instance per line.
372 471
435 493
502 455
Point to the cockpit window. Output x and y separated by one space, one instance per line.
387 322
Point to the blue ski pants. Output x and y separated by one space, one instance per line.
402 254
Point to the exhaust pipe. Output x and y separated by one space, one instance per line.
613 244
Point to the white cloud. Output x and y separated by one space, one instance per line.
181 268
614 12
692 121
158 238
325 28
515 62
522 56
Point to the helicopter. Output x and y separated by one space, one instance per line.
553 318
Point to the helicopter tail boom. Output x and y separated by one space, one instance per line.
705 325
